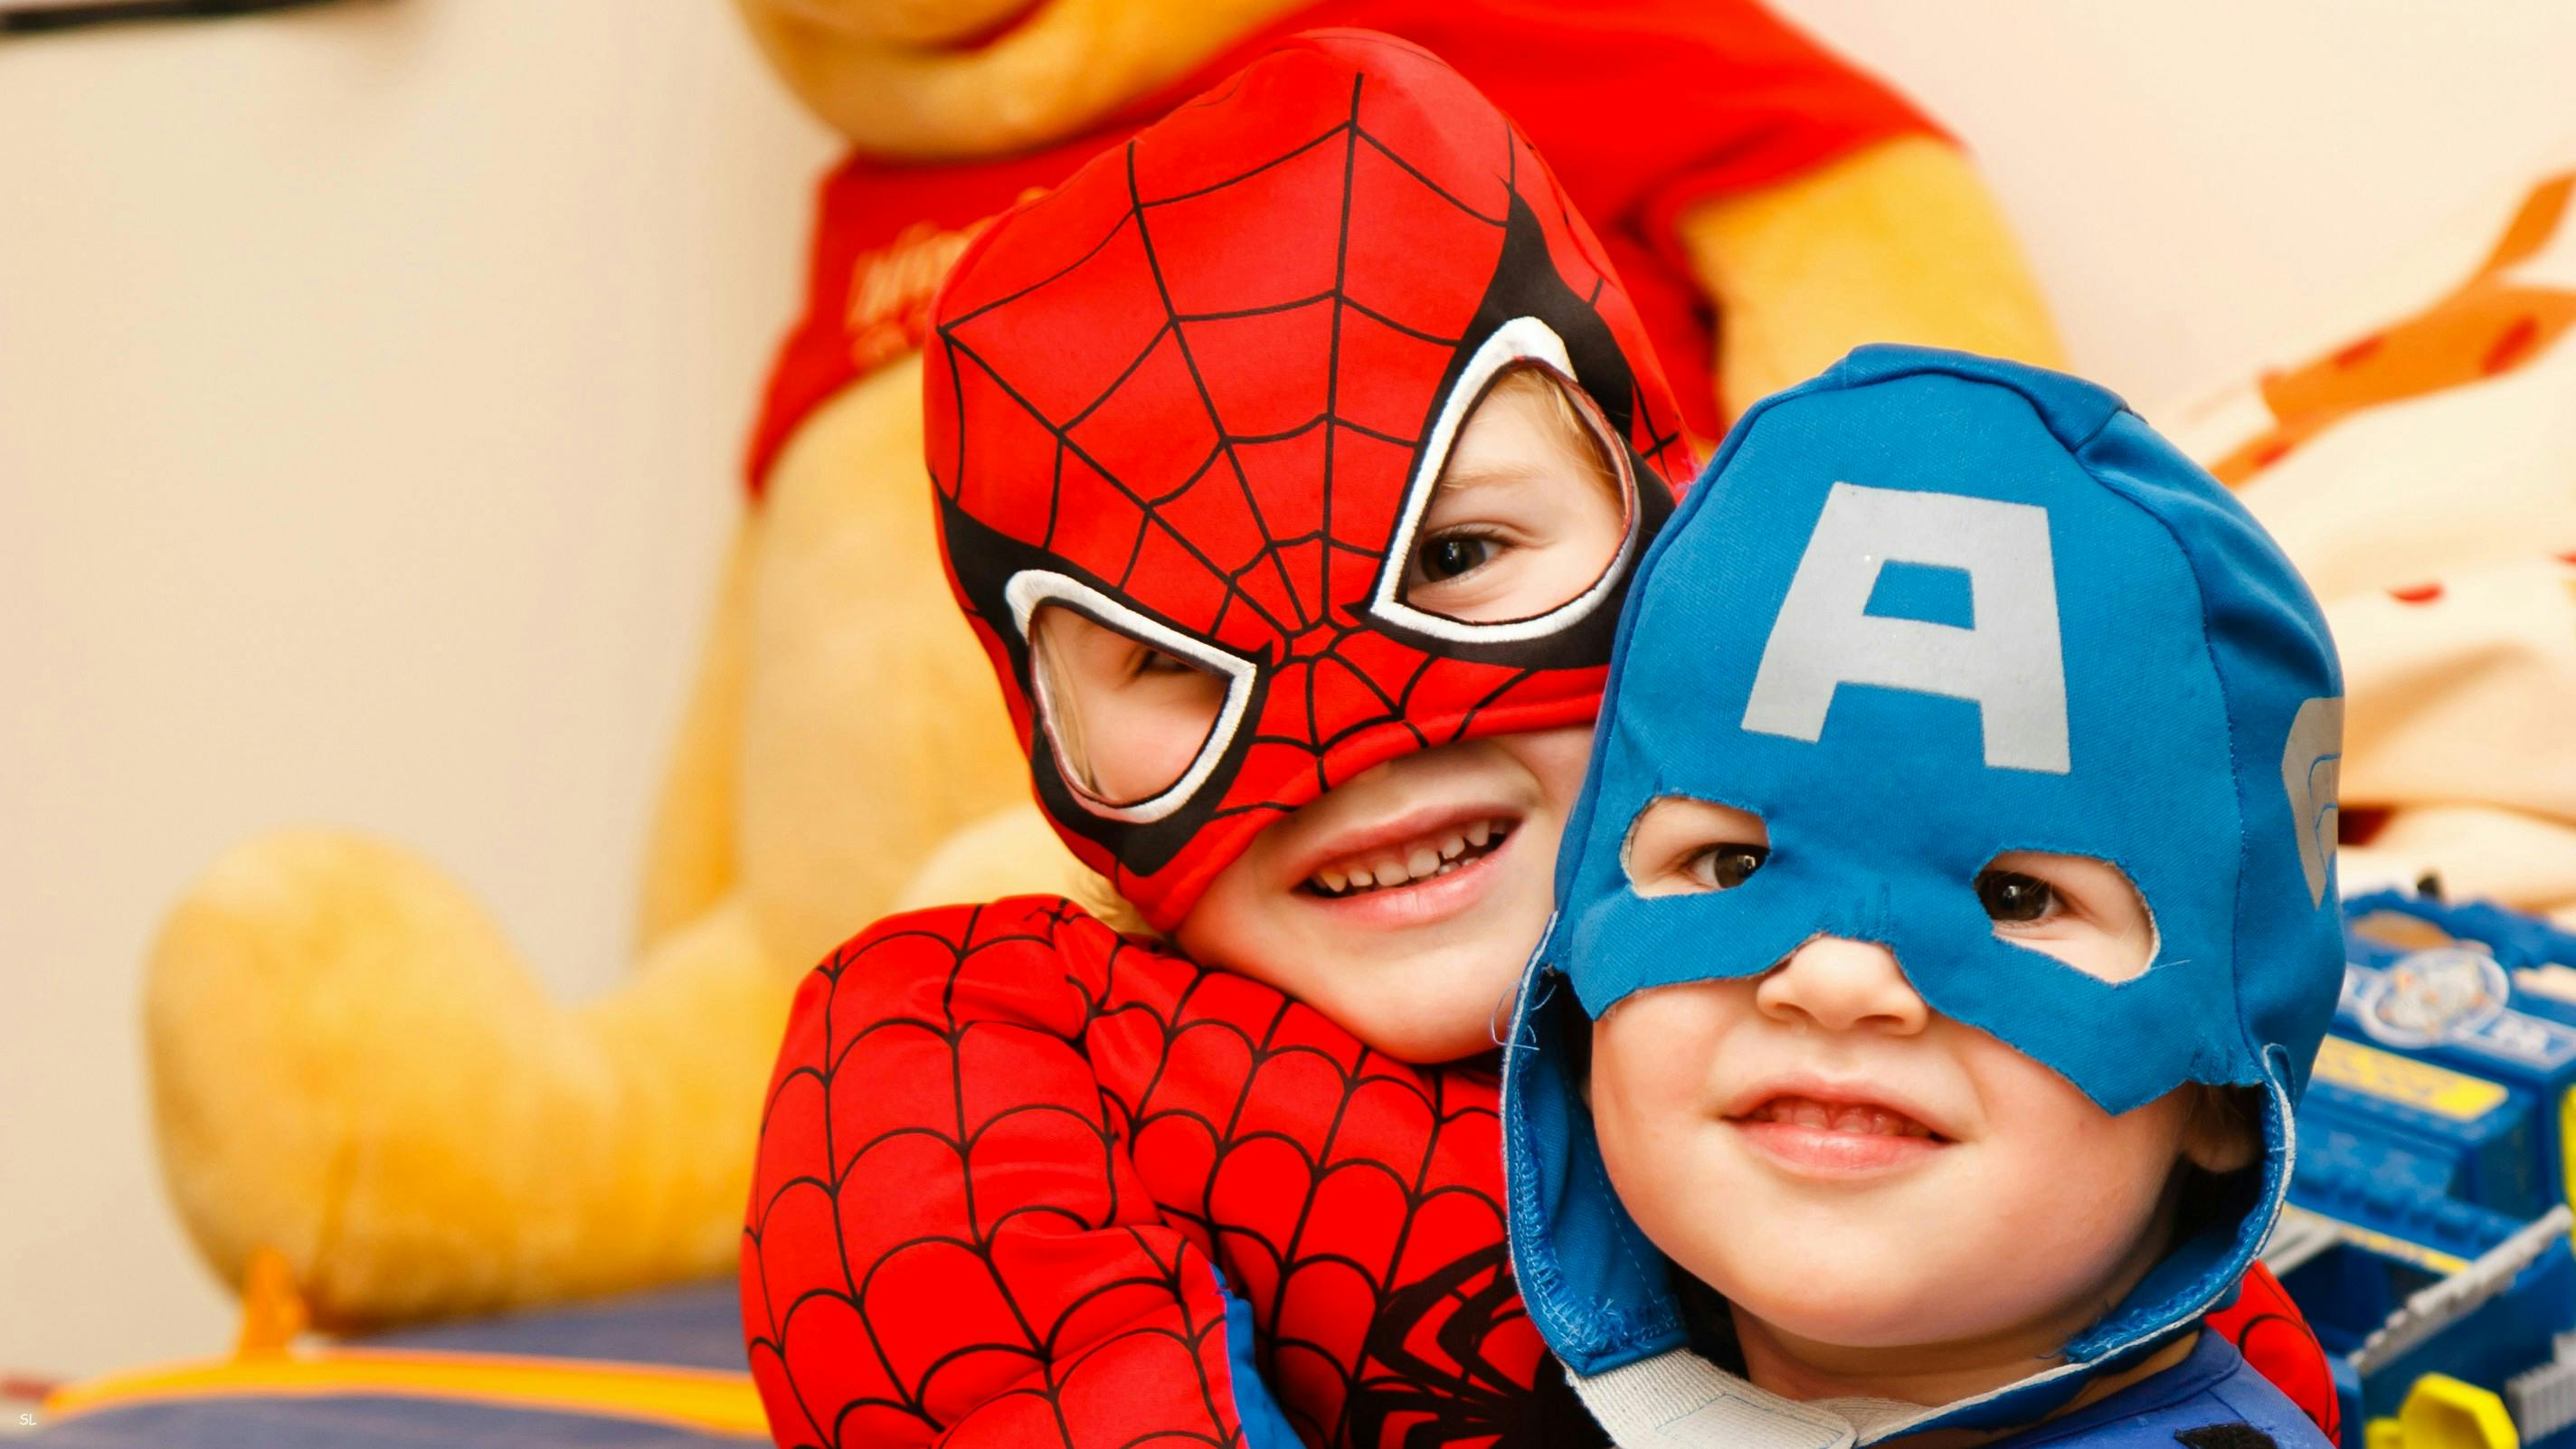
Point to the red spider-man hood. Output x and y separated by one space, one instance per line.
1201 393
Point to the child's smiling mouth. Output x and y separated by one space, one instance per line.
1849 1118
1427 856
1414 867
1824 1132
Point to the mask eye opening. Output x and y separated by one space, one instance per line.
2083 911
1523 345
1683 845
1032 593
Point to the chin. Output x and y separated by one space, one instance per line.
1850 1325
1849 1300
1431 1048
1416 1010
1859 1311
1427 1028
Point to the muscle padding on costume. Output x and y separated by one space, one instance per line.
2312 771
2010 661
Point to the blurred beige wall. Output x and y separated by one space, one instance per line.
2202 184
372 381
371 384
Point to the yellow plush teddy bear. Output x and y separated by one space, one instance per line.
350 1064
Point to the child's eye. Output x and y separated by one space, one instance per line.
1724 867
1453 554
2008 895
1155 661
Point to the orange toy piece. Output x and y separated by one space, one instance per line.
2490 324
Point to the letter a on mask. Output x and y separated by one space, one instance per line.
2009 661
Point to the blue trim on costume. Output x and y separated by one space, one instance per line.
1265 1426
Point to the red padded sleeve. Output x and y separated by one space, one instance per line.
2268 1329
947 1240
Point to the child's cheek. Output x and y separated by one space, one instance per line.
1650 1087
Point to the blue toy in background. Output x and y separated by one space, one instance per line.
2427 1238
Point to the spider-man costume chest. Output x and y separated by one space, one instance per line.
1348 1198
1001 1130
1202 393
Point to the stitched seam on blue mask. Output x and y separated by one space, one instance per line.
1607 1326
1619 1230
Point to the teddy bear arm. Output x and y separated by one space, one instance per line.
895 80
871 729
1899 242
351 1065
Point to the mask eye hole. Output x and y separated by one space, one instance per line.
1681 846
1531 511
2083 911
1127 718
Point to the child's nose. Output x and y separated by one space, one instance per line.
1842 985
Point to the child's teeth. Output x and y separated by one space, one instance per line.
1859 1120
1421 860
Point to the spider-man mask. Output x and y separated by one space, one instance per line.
1202 393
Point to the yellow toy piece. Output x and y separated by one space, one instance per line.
2442 1412
352 1067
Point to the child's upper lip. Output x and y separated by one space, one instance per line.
1385 833
1834 1091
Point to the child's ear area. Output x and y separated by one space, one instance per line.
2221 1131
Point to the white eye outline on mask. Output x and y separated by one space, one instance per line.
1520 342
1031 589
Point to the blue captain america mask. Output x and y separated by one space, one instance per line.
1922 611
2126 682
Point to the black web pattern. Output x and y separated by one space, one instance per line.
1197 1050
1306 630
